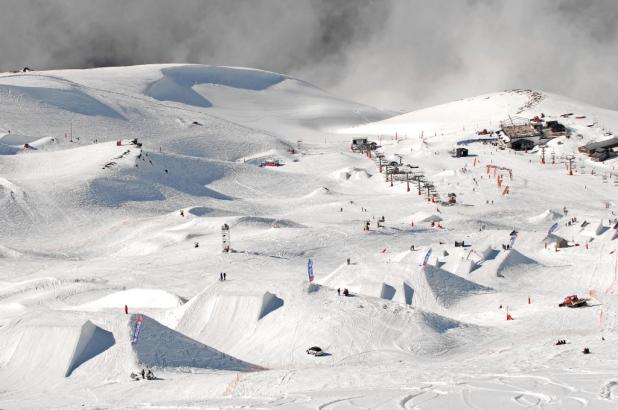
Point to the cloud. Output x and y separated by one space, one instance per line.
401 54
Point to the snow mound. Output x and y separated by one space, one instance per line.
158 346
435 288
272 222
209 314
41 349
355 174
594 229
513 261
137 298
548 215
178 83
420 217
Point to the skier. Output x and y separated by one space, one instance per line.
150 375
345 292
338 291
143 374
182 213
126 310
348 260
224 276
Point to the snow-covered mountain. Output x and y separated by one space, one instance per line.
114 186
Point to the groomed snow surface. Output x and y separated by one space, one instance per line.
92 224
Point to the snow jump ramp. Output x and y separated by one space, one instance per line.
223 318
437 289
51 348
158 346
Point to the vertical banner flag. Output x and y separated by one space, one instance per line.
138 326
310 270
553 228
513 237
427 257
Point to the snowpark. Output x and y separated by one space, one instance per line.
114 186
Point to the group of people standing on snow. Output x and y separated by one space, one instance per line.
146 375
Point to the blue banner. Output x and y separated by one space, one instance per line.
310 270
427 257
553 228
138 326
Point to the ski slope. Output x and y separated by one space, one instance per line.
91 221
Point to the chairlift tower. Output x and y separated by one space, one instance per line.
570 158
225 238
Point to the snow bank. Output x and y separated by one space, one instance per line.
137 298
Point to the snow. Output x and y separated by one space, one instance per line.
88 226
140 298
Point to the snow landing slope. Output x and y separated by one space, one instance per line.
91 221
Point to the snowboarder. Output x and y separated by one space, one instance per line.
345 292
182 213
224 276
348 260
150 375
196 244
586 350
126 310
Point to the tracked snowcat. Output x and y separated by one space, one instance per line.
574 302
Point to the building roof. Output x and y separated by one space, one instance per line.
609 143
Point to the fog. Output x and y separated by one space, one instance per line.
399 54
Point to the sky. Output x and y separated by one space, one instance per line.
396 54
